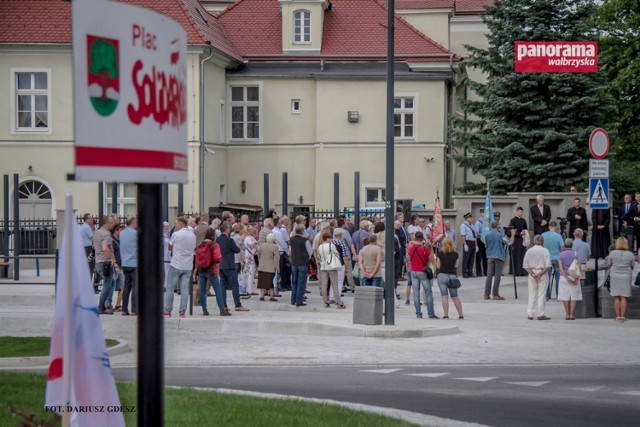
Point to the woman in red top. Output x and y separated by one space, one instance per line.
211 275
420 258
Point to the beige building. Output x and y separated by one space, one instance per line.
300 90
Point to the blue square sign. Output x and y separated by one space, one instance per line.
599 193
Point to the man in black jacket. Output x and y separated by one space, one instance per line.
541 215
577 217
228 273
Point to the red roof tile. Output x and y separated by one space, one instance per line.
49 21
356 30
423 4
472 5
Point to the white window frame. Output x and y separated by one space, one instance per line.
403 111
369 204
231 104
14 100
305 18
294 103
121 201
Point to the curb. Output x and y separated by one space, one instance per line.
25 362
398 414
276 327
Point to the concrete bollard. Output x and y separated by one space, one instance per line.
367 305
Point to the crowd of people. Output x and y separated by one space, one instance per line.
265 260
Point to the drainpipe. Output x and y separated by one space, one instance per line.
202 151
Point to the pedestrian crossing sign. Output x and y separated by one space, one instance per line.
599 193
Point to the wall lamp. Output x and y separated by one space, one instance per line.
353 116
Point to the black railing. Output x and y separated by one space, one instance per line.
37 237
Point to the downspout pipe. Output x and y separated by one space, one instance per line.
201 132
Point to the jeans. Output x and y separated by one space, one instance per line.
108 283
298 284
443 281
184 276
374 281
130 288
203 278
230 277
556 270
494 274
420 278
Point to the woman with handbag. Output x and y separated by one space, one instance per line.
621 263
569 290
329 264
420 258
448 282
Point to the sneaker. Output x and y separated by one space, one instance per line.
125 313
498 298
241 308
226 309
205 313
182 315
301 305
106 311
485 297
445 317
332 301
225 313
407 302
433 317
209 294
245 296
167 314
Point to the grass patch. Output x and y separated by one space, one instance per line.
185 407
31 346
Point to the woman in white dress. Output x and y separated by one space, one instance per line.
250 249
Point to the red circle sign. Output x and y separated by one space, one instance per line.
599 143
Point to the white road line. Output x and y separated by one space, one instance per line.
596 388
430 375
529 383
478 379
381 371
630 393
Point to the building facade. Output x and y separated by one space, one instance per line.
289 86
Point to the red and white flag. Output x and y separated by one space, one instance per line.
437 230
80 381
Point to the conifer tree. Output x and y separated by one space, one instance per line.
529 131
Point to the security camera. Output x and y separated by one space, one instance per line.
428 159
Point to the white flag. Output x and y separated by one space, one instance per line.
80 377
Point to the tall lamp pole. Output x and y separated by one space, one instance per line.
389 276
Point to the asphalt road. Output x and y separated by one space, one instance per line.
498 395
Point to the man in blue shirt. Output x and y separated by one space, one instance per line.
86 235
553 242
580 247
129 256
495 260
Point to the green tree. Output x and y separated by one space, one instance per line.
103 63
619 22
529 131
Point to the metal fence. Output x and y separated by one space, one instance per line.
36 236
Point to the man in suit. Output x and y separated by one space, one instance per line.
624 210
632 218
228 273
541 215
577 217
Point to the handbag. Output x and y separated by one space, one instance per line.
454 282
333 263
356 271
574 269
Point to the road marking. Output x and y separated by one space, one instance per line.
430 375
630 393
586 388
529 383
381 371
478 379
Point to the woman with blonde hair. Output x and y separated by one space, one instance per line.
447 265
620 262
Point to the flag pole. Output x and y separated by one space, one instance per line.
68 295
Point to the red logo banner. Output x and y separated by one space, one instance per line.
556 57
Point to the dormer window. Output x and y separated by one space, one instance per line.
301 27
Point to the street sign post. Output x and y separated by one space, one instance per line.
599 143
598 168
130 85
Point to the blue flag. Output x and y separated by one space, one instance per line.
487 217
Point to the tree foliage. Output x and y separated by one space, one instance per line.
529 132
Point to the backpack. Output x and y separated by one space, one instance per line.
204 256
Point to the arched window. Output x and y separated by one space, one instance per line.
302 26
34 190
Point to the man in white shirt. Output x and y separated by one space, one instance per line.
537 260
182 244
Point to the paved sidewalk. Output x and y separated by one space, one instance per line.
493 332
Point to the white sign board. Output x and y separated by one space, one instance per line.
130 86
598 168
